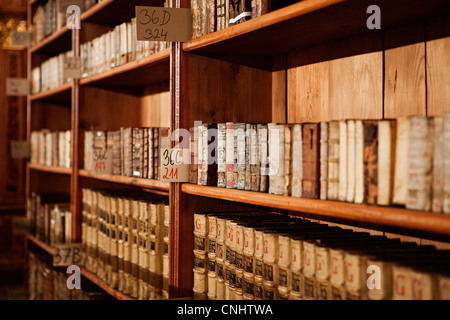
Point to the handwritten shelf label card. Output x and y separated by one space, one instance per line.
67 254
175 165
102 162
17 87
20 149
163 24
72 67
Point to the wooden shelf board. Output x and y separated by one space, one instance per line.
41 244
40 167
58 42
305 24
138 182
102 284
59 94
390 216
152 69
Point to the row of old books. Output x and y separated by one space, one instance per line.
261 256
135 150
212 15
48 283
116 47
125 236
49 75
51 148
49 217
404 161
51 16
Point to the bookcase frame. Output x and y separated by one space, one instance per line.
312 61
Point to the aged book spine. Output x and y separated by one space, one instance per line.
255 166
127 246
296 281
287 190
164 143
114 242
239 258
371 161
323 286
264 156
276 158
201 243
220 257
156 153
270 269
211 16
311 160
166 261
386 160
438 164
359 161
249 263
107 238
95 231
333 160
221 155
400 189
351 149
210 154
297 160
136 151
323 160
212 238
420 164
134 248
120 243
230 260
342 160
239 130
446 151
284 263
337 277
309 270
150 153
143 277
248 144
156 247
258 286
229 155
144 153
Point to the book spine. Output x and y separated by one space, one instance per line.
249 263
255 166
200 154
323 286
258 286
150 154
270 268
323 160
248 144
351 149
165 252
221 155
134 285
204 151
239 129
420 164
287 190
212 276
276 158
120 243
386 162
309 270
127 246
333 161
359 161
211 151
200 255
284 263
156 153
239 258
229 155
337 277
370 162
264 156
296 281
143 276
230 260
342 160
311 161
220 257
352 273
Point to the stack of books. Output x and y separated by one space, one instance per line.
135 150
125 237
404 161
51 148
263 256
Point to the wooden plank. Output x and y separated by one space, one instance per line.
155 105
43 168
438 65
405 71
389 216
341 80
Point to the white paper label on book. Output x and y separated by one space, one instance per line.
20 149
102 162
72 67
17 87
21 38
175 165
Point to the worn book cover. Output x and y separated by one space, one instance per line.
311 160
386 160
333 160
370 161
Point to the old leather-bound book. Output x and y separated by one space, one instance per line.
311 161
193 165
342 195
386 160
351 149
446 151
333 160
297 160
276 158
437 129
359 161
323 160
221 155
370 161
263 154
230 155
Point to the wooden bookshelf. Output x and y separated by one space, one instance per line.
40 244
52 169
61 94
59 41
313 61
137 182
103 285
